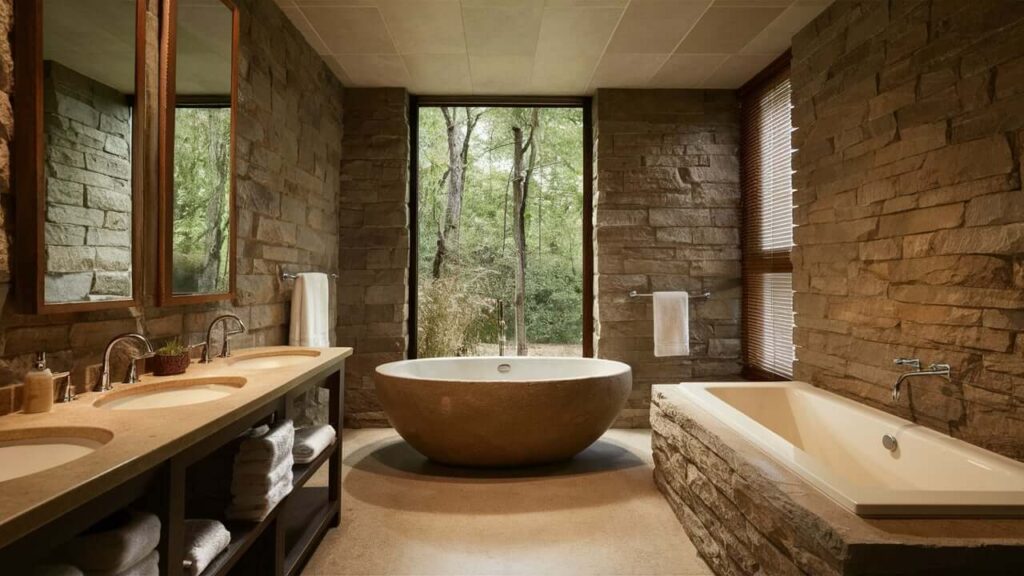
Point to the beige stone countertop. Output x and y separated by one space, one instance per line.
142 438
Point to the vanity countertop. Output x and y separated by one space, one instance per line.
142 438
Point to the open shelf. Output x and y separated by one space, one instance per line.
301 473
306 517
243 535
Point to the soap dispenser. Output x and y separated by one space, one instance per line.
38 387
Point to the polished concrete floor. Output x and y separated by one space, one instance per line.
598 514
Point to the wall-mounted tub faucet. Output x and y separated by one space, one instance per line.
132 376
225 349
932 370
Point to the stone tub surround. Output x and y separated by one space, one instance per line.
289 132
373 284
666 217
910 122
141 438
746 513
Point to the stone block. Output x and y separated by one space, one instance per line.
73 287
68 259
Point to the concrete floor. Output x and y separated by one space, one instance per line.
598 514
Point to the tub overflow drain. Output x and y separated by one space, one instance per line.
504 368
890 443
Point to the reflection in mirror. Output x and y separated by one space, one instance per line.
202 160
89 90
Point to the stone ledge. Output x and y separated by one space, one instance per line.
748 514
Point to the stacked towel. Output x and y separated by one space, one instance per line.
311 441
204 541
123 545
262 474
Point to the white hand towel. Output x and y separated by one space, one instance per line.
252 496
310 309
245 478
671 324
257 512
148 566
119 543
204 541
311 441
272 447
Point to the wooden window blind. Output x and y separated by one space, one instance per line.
767 201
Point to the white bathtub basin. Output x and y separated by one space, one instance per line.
835 444
27 451
169 393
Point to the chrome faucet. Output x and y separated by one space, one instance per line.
501 327
932 370
225 349
133 375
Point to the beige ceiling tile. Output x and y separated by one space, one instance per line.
777 36
626 70
374 69
737 69
563 75
725 30
655 26
299 20
590 3
425 26
438 73
350 29
335 2
503 27
339 72
576 31
500 74
686 70
755 3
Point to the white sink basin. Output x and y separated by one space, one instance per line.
170 393
31 450
272 359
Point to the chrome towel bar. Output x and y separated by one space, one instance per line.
635 294
287 276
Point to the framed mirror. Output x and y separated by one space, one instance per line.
198 92
80 73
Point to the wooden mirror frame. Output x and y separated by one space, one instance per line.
29 156
168 102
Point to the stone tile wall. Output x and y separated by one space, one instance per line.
289 154
910 213
374 215
666 217
88 132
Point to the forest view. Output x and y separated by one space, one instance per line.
500 220
202 162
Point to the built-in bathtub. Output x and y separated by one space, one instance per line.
839 447
500 411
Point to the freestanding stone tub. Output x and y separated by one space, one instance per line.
500 411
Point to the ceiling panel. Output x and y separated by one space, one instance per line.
524 47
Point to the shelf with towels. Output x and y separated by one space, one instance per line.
635 294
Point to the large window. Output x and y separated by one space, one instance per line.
767 189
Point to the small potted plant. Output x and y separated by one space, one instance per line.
171 358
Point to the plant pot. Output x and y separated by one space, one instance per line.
170 365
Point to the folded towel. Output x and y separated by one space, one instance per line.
117 543
256 431
204 541
311 441
148 566
55 570
671 324
257 512
262 467
250 496
250 476
310 311
272 446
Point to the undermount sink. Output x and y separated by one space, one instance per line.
273 359
170 393
30 450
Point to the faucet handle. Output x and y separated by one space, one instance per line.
66 392
913 362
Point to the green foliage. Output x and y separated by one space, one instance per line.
172 348
449 311
202 165
554 276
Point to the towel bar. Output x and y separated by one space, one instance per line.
287 276
635 294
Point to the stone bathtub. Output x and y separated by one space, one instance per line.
501 411
784 478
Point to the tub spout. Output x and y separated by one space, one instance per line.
932 370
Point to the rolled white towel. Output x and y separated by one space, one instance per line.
204 541
120 543
55 570
149 565
252 496
311 441
259 511
272 446
253 476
